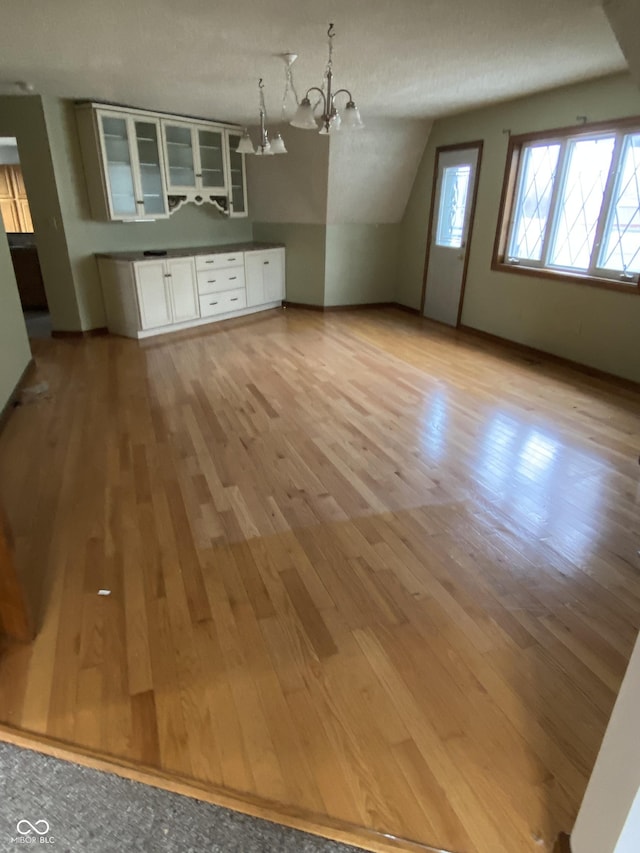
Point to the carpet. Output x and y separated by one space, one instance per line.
50 804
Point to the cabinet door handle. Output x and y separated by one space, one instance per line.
213 303
167 275
265 262
235 299
231 259
210 262
233 277
211 281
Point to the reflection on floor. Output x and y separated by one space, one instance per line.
38 324
361 567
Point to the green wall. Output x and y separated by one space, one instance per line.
23 117
14 344
305 257
586 324
360 263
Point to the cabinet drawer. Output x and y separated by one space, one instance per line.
214 281
222 303
217 262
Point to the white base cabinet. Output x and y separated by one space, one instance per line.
167 292
265 276
150 297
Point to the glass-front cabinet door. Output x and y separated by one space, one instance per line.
211 155
236 179
180 156
118 164
132 158
153 196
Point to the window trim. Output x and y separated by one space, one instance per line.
509 194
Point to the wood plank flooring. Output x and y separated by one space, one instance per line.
360 567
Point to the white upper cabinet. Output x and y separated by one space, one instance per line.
236 176
131 166
195 157
142 165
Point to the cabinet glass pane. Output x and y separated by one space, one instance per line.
236 168
150 169
211 159
119 170
182 171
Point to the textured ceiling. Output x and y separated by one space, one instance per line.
409 58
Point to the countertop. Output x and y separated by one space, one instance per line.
190 251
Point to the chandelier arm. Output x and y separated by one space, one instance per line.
343 91
322 95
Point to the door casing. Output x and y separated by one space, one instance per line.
460 146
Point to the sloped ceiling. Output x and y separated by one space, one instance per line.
409 59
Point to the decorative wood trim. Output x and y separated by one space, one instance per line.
10 405
505 210
633 288
324 827
427 251
563 844
577 129
524 349
472 213
459 146
86 333
15 617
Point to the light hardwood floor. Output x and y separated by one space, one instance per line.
360 567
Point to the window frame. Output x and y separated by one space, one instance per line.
595 276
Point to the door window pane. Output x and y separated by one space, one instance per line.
211 162
538 173
585 180
182 172
150 169
621 241
119 170
453 203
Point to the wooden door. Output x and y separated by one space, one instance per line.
451 220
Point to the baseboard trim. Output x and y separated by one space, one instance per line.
10 405
254 806
525 349
87 333
401 307
563 844
351 307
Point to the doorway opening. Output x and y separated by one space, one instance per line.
453 201
16 216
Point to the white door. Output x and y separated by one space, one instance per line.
457 174
273 275
153 294
183 289
254 277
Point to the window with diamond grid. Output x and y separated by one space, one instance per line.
572 205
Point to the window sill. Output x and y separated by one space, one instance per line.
575 278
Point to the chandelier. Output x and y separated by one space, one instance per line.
331 120
265 146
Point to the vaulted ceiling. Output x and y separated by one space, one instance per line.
408 58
